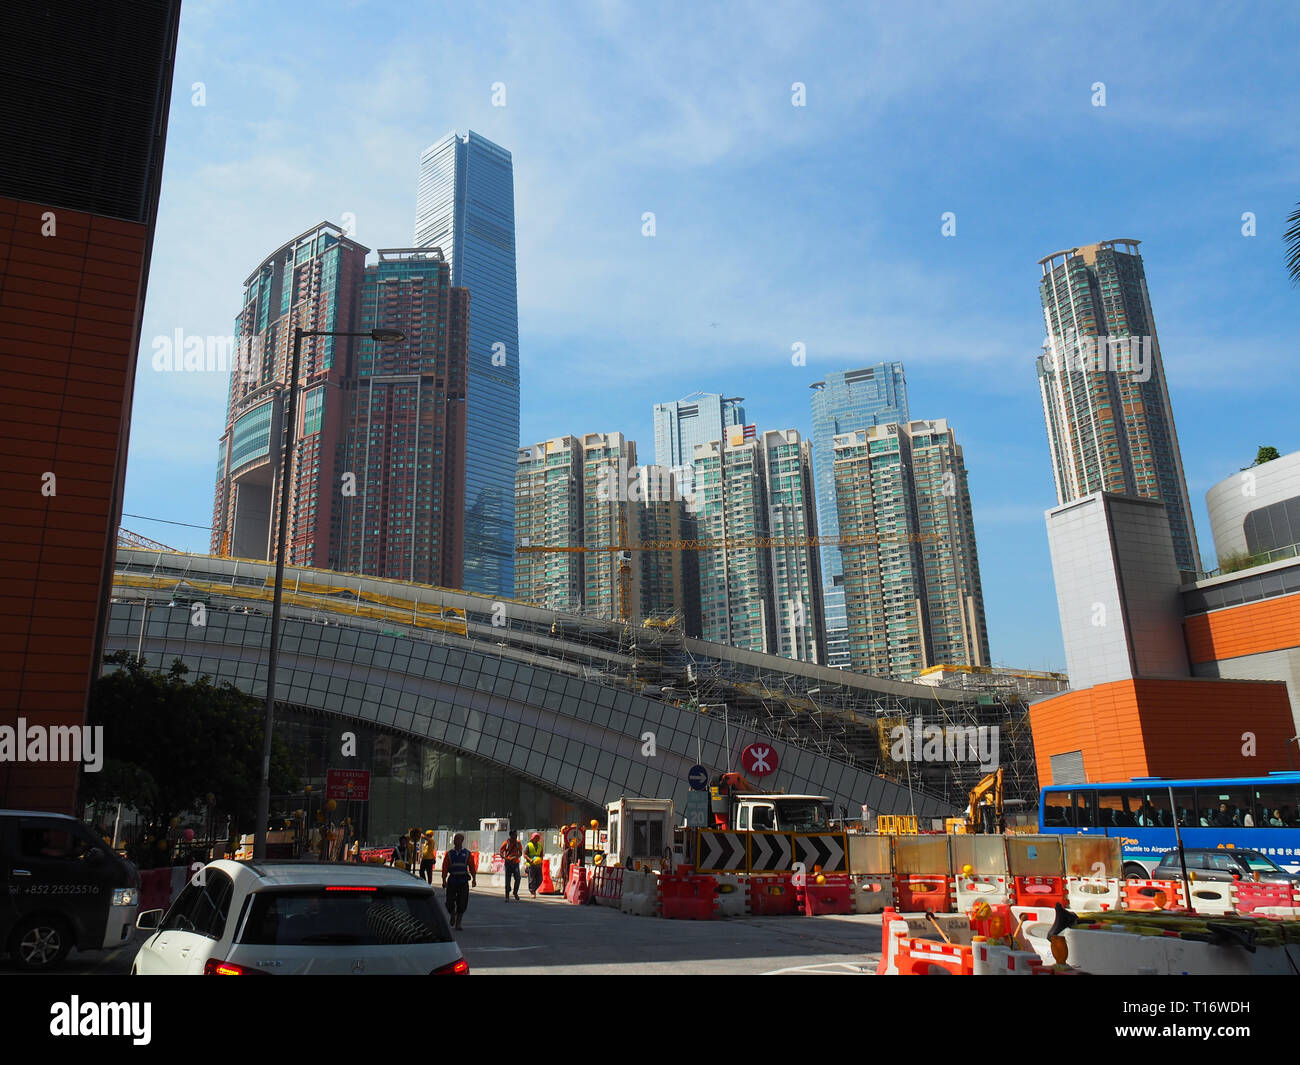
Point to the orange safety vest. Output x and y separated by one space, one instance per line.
511 850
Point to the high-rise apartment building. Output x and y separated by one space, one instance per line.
845 401
611 585
403 511
669 577
312 282
466 207
549 513
376 484
685 424
1110 424
759 595
912 586
84 94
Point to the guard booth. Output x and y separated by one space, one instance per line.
640 831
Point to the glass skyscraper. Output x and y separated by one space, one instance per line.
845 402
685 424
466 207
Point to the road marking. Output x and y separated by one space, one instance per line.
820 969
481 950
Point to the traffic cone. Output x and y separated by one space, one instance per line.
547 888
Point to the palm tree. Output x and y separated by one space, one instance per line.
1292 238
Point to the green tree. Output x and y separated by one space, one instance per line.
174 741
1265 454
1292 238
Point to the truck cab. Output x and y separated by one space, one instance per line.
782 813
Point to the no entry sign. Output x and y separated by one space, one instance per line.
758 759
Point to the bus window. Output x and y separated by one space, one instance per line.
1058 809
1084 809
1277 803
1115 809
1152 810
1185 803
1225 806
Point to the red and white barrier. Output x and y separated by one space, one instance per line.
979 887
1087 894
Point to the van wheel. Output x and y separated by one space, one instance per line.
41 943
1135 872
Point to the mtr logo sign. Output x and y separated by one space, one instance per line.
758 760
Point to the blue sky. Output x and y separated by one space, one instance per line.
774 224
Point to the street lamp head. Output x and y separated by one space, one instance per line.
387 336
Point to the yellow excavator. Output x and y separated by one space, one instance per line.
985 813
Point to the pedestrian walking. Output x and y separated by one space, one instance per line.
428 852
533 857
458 872
510 853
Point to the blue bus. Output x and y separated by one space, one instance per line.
1260 813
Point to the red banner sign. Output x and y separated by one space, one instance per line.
337 781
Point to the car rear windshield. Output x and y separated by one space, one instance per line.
317 917
1258 863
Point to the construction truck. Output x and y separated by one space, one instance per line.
985 812
737 804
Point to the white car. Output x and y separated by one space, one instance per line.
286 917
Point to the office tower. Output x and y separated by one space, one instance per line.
683 425
669 577
466 207
402 513
312 282
1110 425
549 513
846 401
611 583
757 595
912 587
84 93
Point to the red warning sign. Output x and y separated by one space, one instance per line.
758 759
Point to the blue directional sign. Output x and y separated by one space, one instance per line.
698 777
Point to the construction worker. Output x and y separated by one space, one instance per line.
428 852
510 852
533 858
458 872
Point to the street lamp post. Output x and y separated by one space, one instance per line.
379 336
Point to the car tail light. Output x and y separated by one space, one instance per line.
216 967
350 888
460 967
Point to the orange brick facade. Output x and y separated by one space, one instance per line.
1164 728
1254 628
69 308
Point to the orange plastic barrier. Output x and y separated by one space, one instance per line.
548 885
772 895
689 897
1141 894
607 884
1040 891
920 957
914 893
833 895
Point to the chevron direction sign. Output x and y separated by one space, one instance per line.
721 852
826 849
770 852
